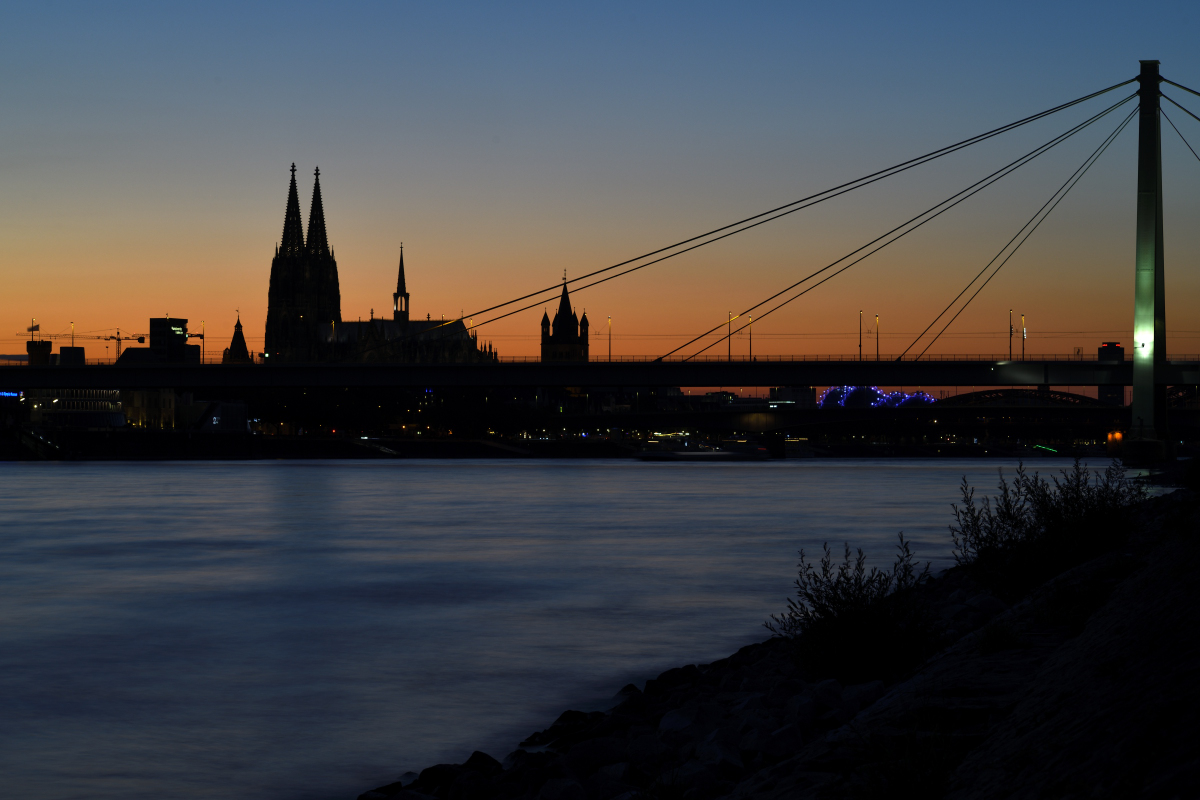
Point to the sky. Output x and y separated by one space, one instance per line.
145 153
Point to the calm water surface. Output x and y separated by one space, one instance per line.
309 630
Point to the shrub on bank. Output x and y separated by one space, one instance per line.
853 624
1035 529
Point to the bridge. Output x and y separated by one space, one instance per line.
1149 372
764 372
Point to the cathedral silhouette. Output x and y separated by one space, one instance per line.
304 306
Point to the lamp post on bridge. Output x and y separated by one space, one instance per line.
1149 311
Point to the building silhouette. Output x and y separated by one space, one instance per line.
565 339
304 290
304 307
400 296
168 344
402 339
237 352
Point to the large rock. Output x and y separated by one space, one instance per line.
646 750
562 789
672 679
862 695
827 695
750 704
785 690
694 774
719 755
437 780
589 755
801 710
480 762
784 742
988 604
678 720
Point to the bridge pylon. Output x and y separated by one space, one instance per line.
1149 411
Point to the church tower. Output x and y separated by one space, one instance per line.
237 352
565 339
322 266
285 297
400 296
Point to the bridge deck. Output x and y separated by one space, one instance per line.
593 374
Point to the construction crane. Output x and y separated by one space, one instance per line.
140 338
118 337
199 336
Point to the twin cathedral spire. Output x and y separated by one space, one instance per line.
304 289
294 240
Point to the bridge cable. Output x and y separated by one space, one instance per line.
786 209
1180 86
962 195
987 181
820 197
1181 108
1060 193
990 263
1185 141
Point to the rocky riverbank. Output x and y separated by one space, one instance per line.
1086 687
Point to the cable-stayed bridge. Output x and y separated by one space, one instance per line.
691 364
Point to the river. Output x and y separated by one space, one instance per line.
309 630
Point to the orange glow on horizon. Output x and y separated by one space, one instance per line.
180 213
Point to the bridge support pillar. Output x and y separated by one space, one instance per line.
1149 312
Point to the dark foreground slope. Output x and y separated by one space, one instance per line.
1089 687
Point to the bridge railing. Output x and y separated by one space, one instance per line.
988 357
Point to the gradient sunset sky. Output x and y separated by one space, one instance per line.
144 155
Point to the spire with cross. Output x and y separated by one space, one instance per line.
400 296
293 228
318 242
